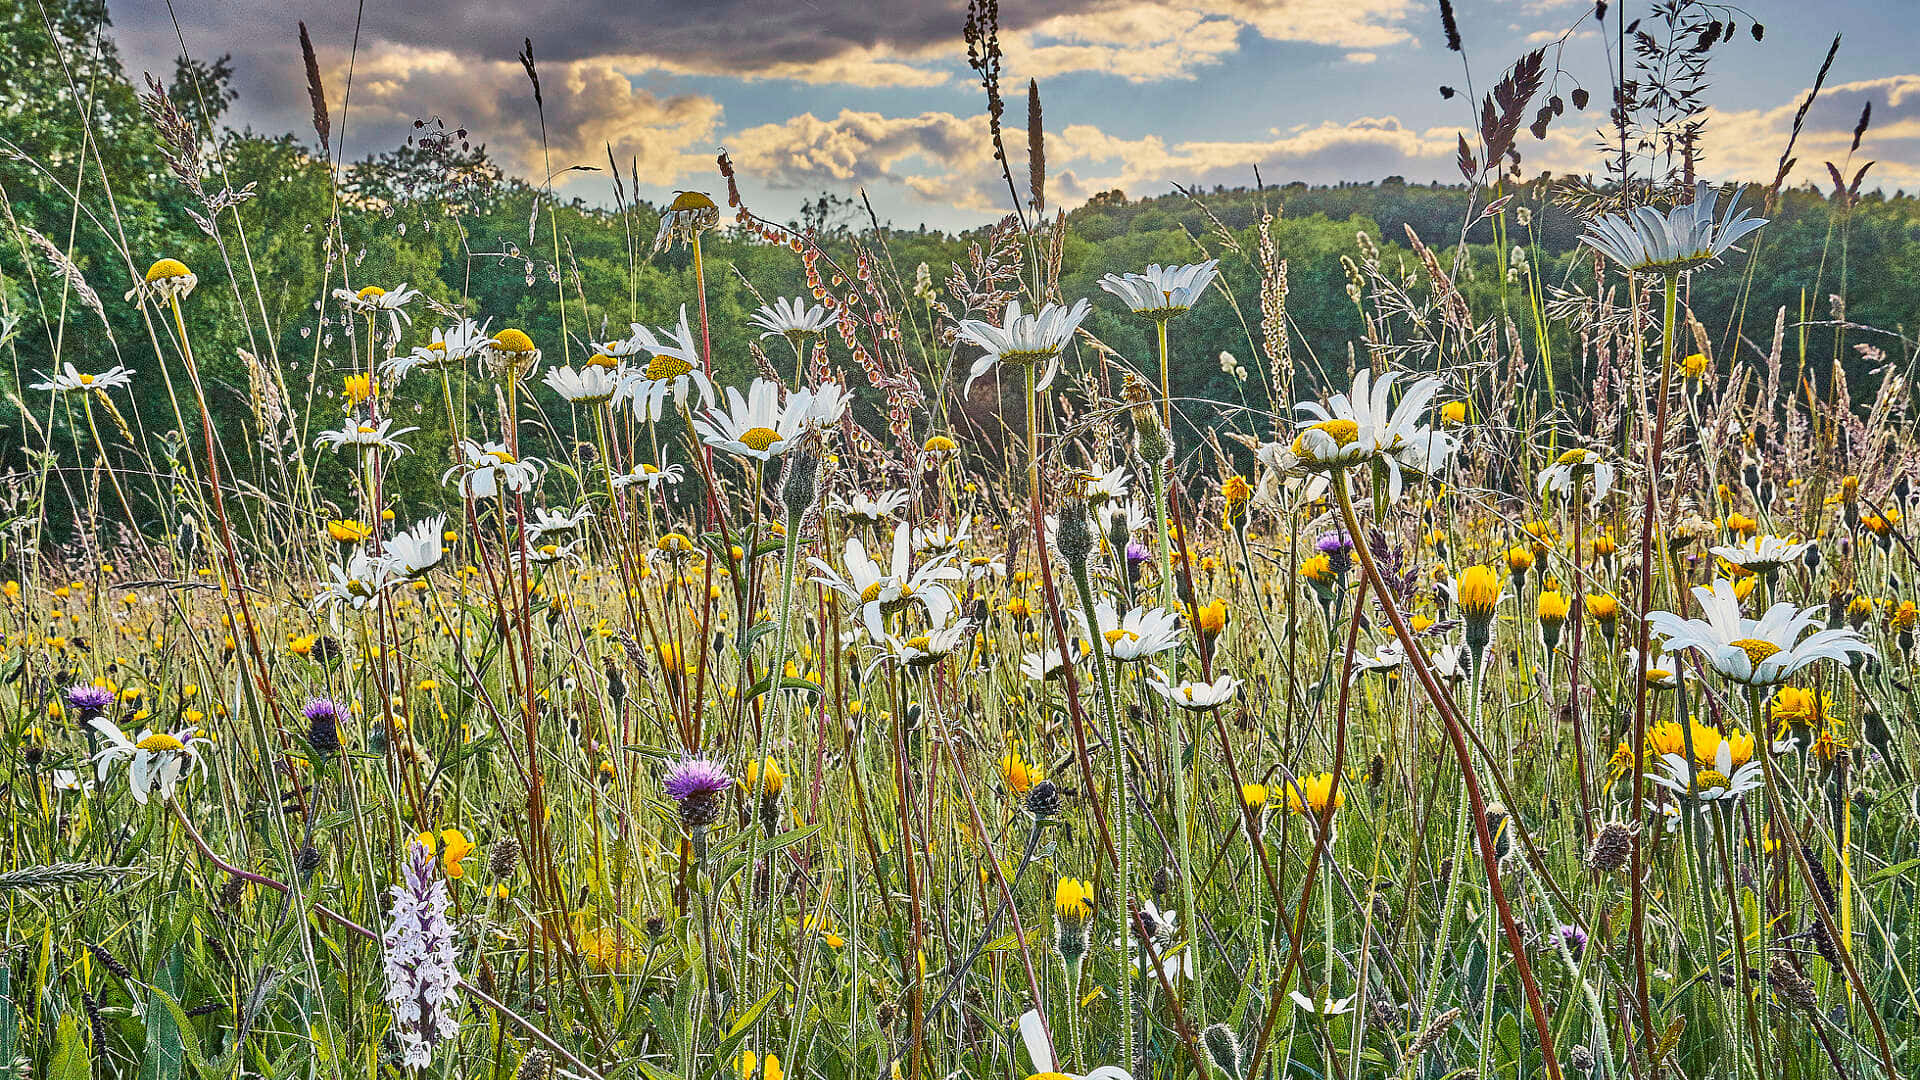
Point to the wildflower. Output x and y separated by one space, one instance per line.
1685 237
1044 666
366 435
863 509
1755 652
1569 937
1711 782
157 759
91 702
167 279
1366 426
791 319
1604 608
1477 592
450 346
356 583
323 726
590 385
1072 909
695 784
1211 618
1327 1007
1023 341
373 300
1042 800
1047 1067
1571 469
1140 633
454 846
755 426
1762 554
1795 707
1454 412
510 355
346 532
549 523
1612 846
883 592
685 218
419 961
673 369
72 380
1162 292
1016 773
1694 365
652 476
939 642
413 552
490 469
1198 696
1254 796
1315 794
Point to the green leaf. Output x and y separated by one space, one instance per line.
189 1038
71 1059
165 1052
1890 872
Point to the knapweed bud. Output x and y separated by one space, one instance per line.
1149 434
1612 846
800 485
1074 535
1043 799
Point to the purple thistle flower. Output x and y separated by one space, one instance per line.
695 783
1136 551
90 701
695 776
319 709
1571 936
323 725
419 960
1337 546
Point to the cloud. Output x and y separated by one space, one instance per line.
589 104
1747 143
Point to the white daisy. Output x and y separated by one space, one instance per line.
1198 696
410 553
490 468
1023 341
1140 633
673 368
1040 1054
755 426
366 435
373 300
1163 291
1576 465
1755 652
864 509
1687 236
791 319
71 380
590 385
1366 424
450 346
1762 554
158 759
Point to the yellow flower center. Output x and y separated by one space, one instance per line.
1709 779
500 456
758 438
1343 432
372 292
86 380
667 367
870 593
1117 635
1573 457
603 360
513 341
166 269
1756 650
159 741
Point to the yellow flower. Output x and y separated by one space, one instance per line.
1694 365
345 531
1603 608
1019 776
1317 570
1477 590
1799 707
1254 795
358 388
1519 561
1313 793
1454 412
1903 617
1073 899
1211 618
1553 607
1235 490
775 781
166 270
453 846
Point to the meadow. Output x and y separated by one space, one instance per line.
667 643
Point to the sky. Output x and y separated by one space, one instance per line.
812 96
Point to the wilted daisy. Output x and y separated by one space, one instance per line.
1685 237
931 646
167 280
672 367
1023 341
863 509
547 523
356 583
1136 635
791 319
72 380
1569 470
490 468
1198 696
510 355
449 346
1044 666
652 476
685 218
412 552
157 759
590 385
366 435
756 426
373 300
1163 291
1755 652
1762 554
